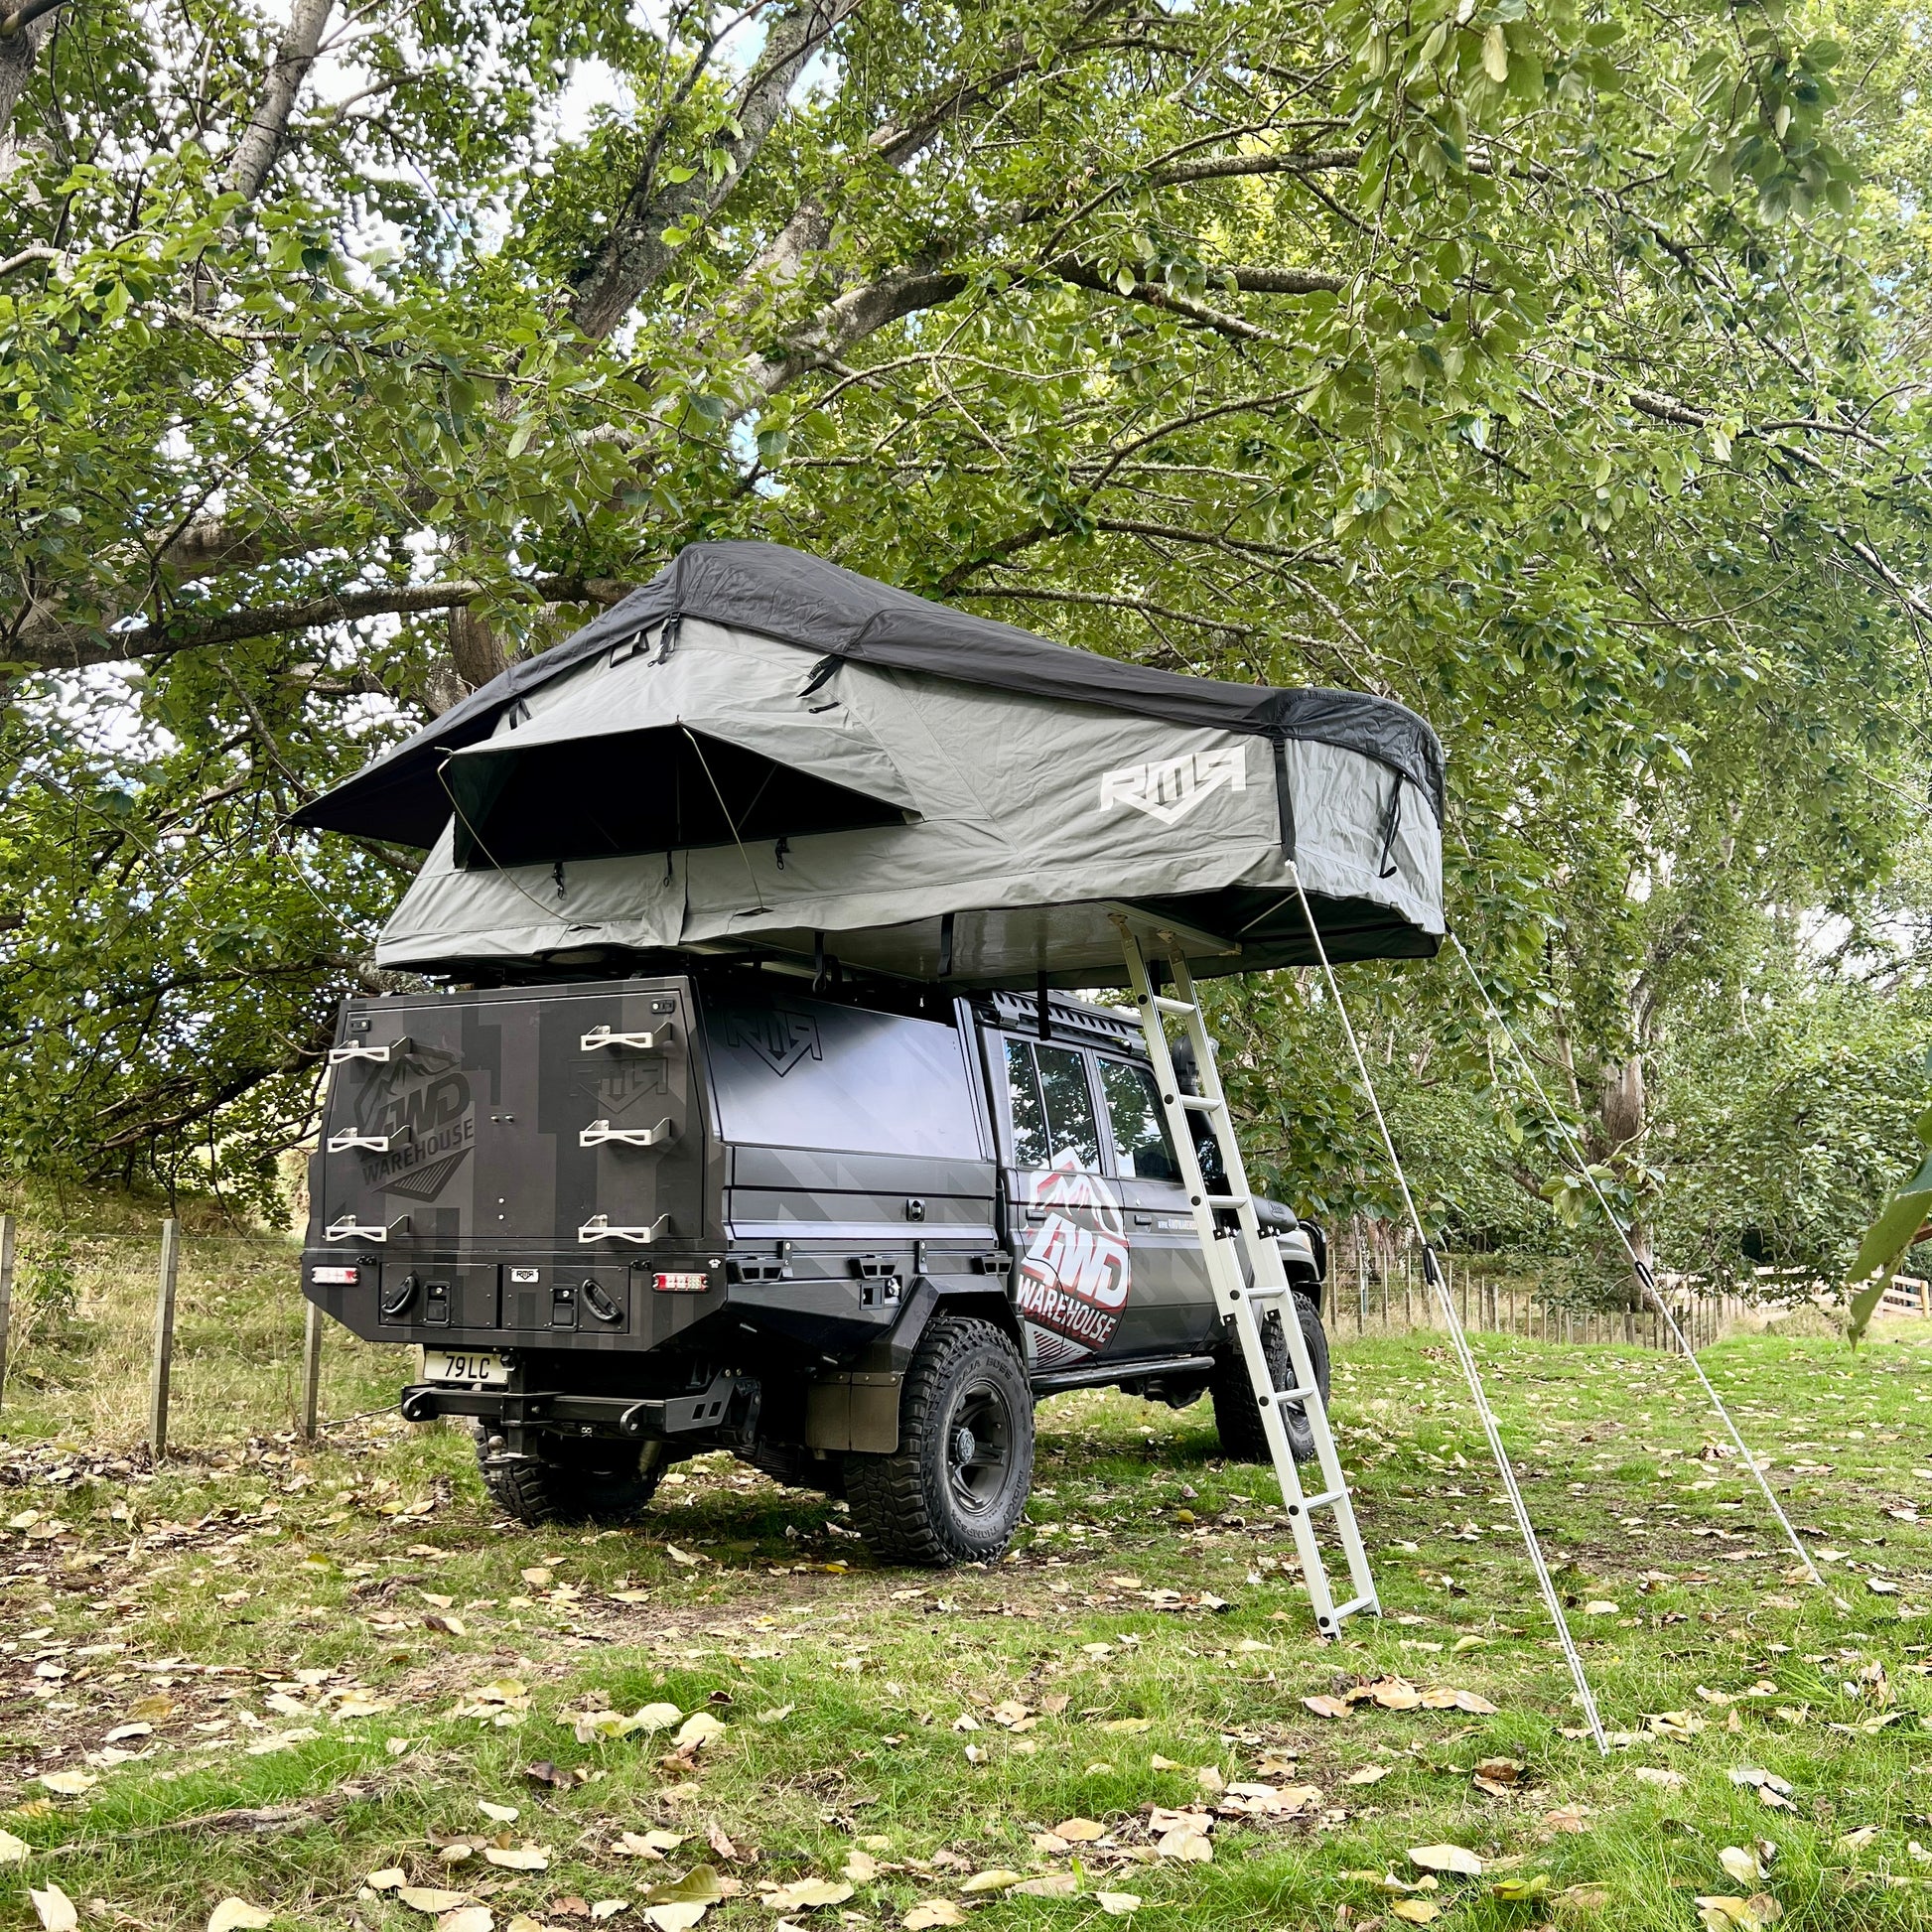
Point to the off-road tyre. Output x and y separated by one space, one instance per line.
1237 1415
938 1499
570 1480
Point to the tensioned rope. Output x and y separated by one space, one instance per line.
1640 1268
1433 1276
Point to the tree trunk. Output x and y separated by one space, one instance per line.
1624 1111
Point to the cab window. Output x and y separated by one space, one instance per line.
1142 1148
1050 1106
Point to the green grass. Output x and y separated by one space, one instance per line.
250 1562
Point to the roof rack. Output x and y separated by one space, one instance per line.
1114 1025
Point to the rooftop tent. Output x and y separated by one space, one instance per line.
758 754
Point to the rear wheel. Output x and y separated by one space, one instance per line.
1237 1415
956 1486
572 1479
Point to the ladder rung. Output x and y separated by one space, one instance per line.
1283 1397
1261 1294
1358 1604
1161 1004
1228 1201
1326 1500
1203 1103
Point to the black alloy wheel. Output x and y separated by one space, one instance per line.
956 1487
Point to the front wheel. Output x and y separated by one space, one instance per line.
572 1479
1237 1415
955 1488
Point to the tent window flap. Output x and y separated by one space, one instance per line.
664 788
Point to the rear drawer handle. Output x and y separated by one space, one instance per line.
598 1228
341 1055
644 1043
374 1143
347 1229
601 1132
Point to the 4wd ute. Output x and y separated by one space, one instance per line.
852 1241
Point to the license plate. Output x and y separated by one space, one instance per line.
465 1365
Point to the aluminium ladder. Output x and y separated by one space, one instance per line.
1249 1282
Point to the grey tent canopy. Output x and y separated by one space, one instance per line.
758 754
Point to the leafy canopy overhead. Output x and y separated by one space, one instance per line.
1547 366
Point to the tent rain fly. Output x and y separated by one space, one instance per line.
759 754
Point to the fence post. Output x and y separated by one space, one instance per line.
311 1368
164 1339
6 1292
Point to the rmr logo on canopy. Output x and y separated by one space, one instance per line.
1169 788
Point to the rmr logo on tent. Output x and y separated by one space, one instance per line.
1169 788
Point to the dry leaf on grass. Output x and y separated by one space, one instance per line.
524 1857
14 1850
387 1879
697 1730
649 1845
1368 1774
1657 1774
237 1915
503 1814
1326 1706
930 1912
1116 1904
431 1899
1567 1817
70 1784
861 1868
996 1881
1583 1900
1851 1841
1415 1911
1056 1885
1123 1725
678 1916
1446 1858
803 1894
1741 1864
1079 1831
468 1918
54 1908
1187 1843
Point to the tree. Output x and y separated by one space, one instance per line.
1523 362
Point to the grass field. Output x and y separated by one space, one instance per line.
297 1678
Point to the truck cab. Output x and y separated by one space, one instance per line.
850 1233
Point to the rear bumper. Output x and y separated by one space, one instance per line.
727 1404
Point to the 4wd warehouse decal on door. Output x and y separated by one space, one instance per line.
1078 1268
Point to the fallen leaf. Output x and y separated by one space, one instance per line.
1741 1864
14 1850
1187 1844
808 1893
524 1857
930 1912
1565 1818
1368 1774
1121 1726
1583 1900
545 1772
428 1898
1056 1885
503 1814
697 1730
387 1879
1326 1706
468 1918
1446 1858
1656 1774
1852 1841
70 1784
997 1880
54 1908
1116 1905
1415 1911
233 1914
861 1868
677 1916
1079 1831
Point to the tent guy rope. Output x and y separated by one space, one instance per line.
1432 1273
1640 1267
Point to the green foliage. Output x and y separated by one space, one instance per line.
1552 368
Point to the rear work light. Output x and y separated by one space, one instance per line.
687 1284
335 1277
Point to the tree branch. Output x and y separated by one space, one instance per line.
261 140
634 255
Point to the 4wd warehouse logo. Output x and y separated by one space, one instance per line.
423 1104
1169 788
1078 1269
